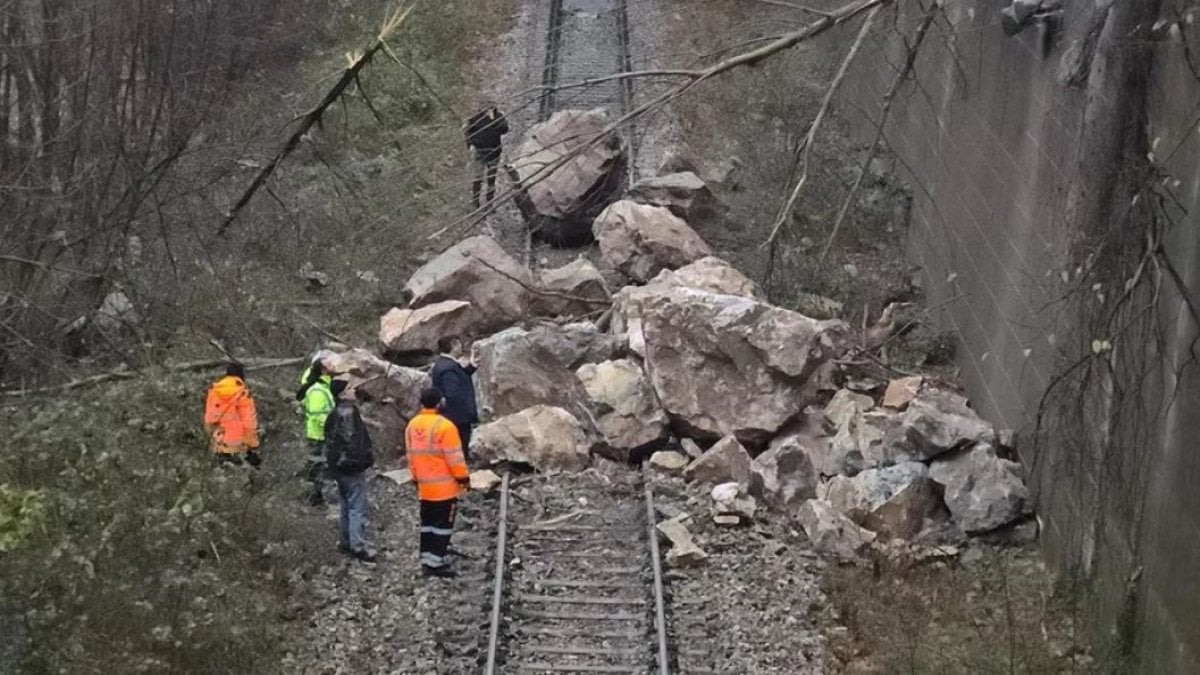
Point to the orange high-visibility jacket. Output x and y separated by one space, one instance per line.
435 456
230 417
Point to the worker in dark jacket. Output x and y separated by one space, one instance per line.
453 379
348 456
485 131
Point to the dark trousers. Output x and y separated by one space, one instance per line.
464 434
252 458
314 471
484 166
437 526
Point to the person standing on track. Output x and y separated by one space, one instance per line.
231 419
439 470
485 132
348 456
318 401
453 379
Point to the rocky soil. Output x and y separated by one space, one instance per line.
386 617
755 604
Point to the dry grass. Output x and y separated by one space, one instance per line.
1002 613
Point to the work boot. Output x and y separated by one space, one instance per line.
444 572
366 555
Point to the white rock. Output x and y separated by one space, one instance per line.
704 351
543 437
982 491
893 501
418 330
684 193
478 271
641 240
832 532
710 274
936 422
684 552
398 476
485 480
783 477
574 289
561 205
725 461
728 501
668 461
626 409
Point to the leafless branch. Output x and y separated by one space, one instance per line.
810 139
128 374
885 110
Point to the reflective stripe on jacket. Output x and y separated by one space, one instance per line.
230 416
435 456
318 403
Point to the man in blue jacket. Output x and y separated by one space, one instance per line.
454 380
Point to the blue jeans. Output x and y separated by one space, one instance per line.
352 489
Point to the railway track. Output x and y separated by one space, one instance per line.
589 39
577 585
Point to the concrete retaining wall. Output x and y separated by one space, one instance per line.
1024 154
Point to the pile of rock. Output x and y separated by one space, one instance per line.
690 354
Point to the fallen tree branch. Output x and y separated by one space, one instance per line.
811 138
129 374
313 117
541 291
792 5
886 109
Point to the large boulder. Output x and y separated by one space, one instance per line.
783 477
726 461
406 331
627 411
724 364
567 170
641 240
831 532
388 395
544 437
575 344
517 369
710 274
684 193
935 422
893 501
575 289
982 491
477 271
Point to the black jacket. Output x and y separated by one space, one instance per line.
455 383
347 443
485 131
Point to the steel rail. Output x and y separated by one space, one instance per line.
498 581
625 65
550 69
660 611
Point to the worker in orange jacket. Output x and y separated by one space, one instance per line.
435 459
230 418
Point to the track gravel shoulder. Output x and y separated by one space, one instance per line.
754 605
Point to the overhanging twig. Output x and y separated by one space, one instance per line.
886 109
810 139
313 117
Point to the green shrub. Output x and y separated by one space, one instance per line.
123 546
